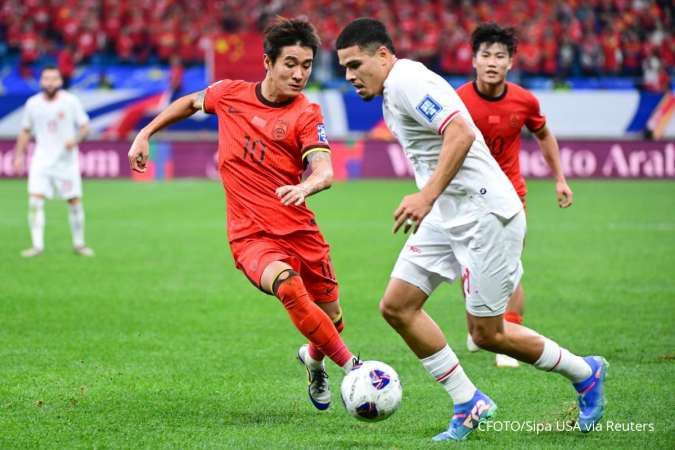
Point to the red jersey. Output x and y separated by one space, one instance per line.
500 120
262 146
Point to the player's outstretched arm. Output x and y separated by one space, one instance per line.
549 148
22 141
320 178
457 140
180 109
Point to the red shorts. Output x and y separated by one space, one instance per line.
306 252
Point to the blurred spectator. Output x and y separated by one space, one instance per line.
611 51
125 46
529 57
66 64
176 74
632 51
566 58
591 55
28 42
597 37
654 78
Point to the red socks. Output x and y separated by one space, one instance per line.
311 320
513 317
314 351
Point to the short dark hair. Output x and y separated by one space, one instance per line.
49 67
287 32
491 33
366 33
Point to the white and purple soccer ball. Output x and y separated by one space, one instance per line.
371 391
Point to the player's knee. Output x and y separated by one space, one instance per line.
487 338
337 320
35 203
283 277
393 313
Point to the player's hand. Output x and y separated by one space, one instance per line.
292 194
412 210
70 144
564 194
139 154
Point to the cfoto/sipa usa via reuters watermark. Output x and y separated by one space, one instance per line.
532 426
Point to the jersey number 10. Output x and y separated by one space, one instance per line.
252 146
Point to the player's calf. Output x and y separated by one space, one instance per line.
310 319
313 350
488 339
36 222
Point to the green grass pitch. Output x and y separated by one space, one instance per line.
158 342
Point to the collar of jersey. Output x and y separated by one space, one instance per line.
487 97
264 101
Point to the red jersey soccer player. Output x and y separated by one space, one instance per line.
500 109
267 133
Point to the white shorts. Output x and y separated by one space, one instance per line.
484 253
64 185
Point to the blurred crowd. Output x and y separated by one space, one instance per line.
557 38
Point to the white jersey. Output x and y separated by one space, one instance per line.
418 105
53 123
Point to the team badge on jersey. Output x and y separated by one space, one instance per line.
321 133
429 107
515 121
280 129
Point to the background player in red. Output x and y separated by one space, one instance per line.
500 109
268 132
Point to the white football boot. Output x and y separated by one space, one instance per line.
506 361
83 251
31 252
318 387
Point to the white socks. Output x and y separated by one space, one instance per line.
445 368
311 362
36 221
557 359
349 365
76 219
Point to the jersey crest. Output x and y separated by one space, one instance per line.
280 129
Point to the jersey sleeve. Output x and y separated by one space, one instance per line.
212 94
430 100
81 117
535 120
312 132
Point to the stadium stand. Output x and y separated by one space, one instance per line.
559 38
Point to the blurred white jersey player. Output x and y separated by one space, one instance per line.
59 123
468 224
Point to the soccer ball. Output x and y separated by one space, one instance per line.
371 391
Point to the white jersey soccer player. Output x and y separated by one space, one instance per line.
59 123
468 223
478 198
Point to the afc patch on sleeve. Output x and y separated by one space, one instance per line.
321 133
429 107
